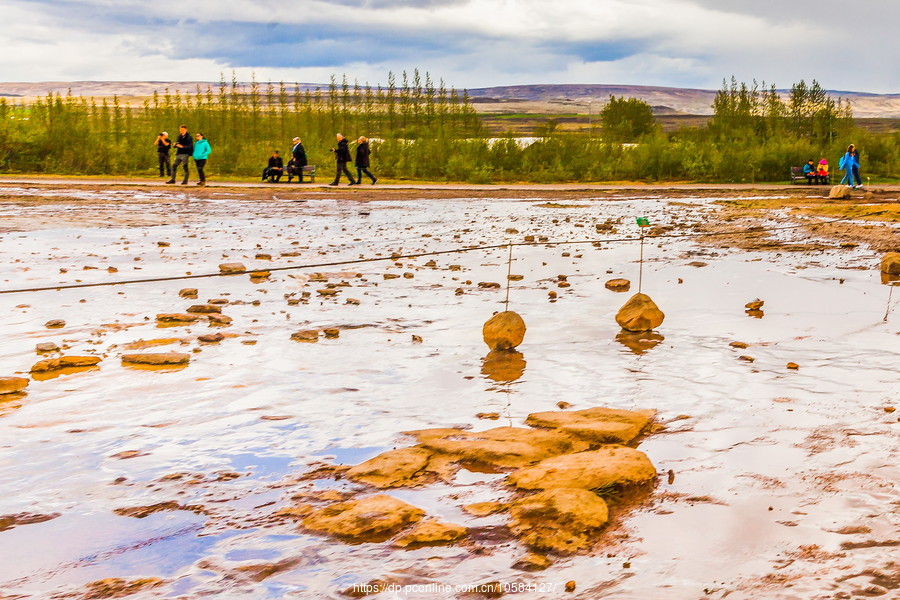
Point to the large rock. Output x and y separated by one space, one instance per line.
157 358
561 520
12 385
504 331
640 313
370 519
890 263
64 362
598 425
394 468
596 469
431 533
499 447
839 192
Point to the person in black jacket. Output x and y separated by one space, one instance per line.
362 160
342 156
275 169
185 148
297 162
163 145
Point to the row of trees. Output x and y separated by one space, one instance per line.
425 130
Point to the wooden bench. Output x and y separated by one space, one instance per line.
308 171
798 175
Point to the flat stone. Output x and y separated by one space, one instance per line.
432 533
211 338
217 319
599 425
232 268
204 309
188 292
595 469
755 304
177 318
64 362
394 468
369 519
44 347
307 335
560 520
157 358
55 324
12 385
618 285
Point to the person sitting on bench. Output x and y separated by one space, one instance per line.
275 169
811 172
823 171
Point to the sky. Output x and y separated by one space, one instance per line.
846 46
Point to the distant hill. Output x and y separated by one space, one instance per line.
558 99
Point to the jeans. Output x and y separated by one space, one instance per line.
165 165
181 159
201 163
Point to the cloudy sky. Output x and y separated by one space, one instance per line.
469 43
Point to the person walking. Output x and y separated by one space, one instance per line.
298 160
202 150
185 148
342 156
850 165
362 161
163 145
855 169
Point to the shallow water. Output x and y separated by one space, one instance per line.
784 482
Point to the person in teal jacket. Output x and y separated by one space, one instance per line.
850 165
202 150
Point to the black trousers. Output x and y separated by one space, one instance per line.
181 159
165 165
359 174
275 174
342 168
295 172
201 164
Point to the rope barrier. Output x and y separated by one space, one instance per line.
510 245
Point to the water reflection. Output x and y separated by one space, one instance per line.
639 342
503 366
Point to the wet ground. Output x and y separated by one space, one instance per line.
774 482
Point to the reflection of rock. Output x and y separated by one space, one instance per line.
640 313
432 533
499 447
560 520
617 465
370 519
394 468
756 314
639 342
598 425
504 331
503 366
890 263
12 385
64 362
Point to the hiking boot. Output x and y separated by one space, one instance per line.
171 181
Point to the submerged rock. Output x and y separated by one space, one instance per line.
370 519
432 533
640 313
598 425
615 465
157 358
64 362
504 331
563 520
12 385
890 263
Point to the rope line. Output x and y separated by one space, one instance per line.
396 256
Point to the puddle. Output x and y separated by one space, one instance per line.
768 464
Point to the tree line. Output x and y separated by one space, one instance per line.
422 129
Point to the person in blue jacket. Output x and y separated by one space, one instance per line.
811 172
202 150
850 165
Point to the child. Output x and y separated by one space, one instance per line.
823 171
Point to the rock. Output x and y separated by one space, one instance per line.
45 347
890 263
263 256
563 405
552 295
332 332
640 313
489 285
503 366
259 275
353 301
560 520
370 519
177 318
204 309
570 585
740 345
307 335
115 587
455 267
432 533
431 263
55 324
416 339
483 509
216 319
793 366
190 293
746 358
395 468
64 362
500 447
211 338
504 331
491 416
391 276
595 469
513 277
618 285
839 192
408 275
755 304
232 268
596 425
157 358
532 562
10 521
12 385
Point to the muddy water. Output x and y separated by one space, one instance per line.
782 484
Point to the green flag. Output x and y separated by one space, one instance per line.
643 222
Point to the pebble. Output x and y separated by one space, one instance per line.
55 324
44 347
